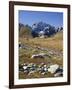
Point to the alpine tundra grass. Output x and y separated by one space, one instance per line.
51 46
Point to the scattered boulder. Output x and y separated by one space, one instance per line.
59 70
20 45
31 72
58 74
26 69
43 68
41 55
37 56
52 69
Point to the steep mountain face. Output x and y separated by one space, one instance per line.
39 26
43 28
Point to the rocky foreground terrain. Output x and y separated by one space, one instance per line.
37 61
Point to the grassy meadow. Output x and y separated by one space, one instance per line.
38 45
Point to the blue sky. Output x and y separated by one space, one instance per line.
31 17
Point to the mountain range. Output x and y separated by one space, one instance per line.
38 29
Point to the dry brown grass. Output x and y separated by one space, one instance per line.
54 43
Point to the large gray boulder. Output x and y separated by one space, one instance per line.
52 69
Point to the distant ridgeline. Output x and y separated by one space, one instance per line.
39 29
